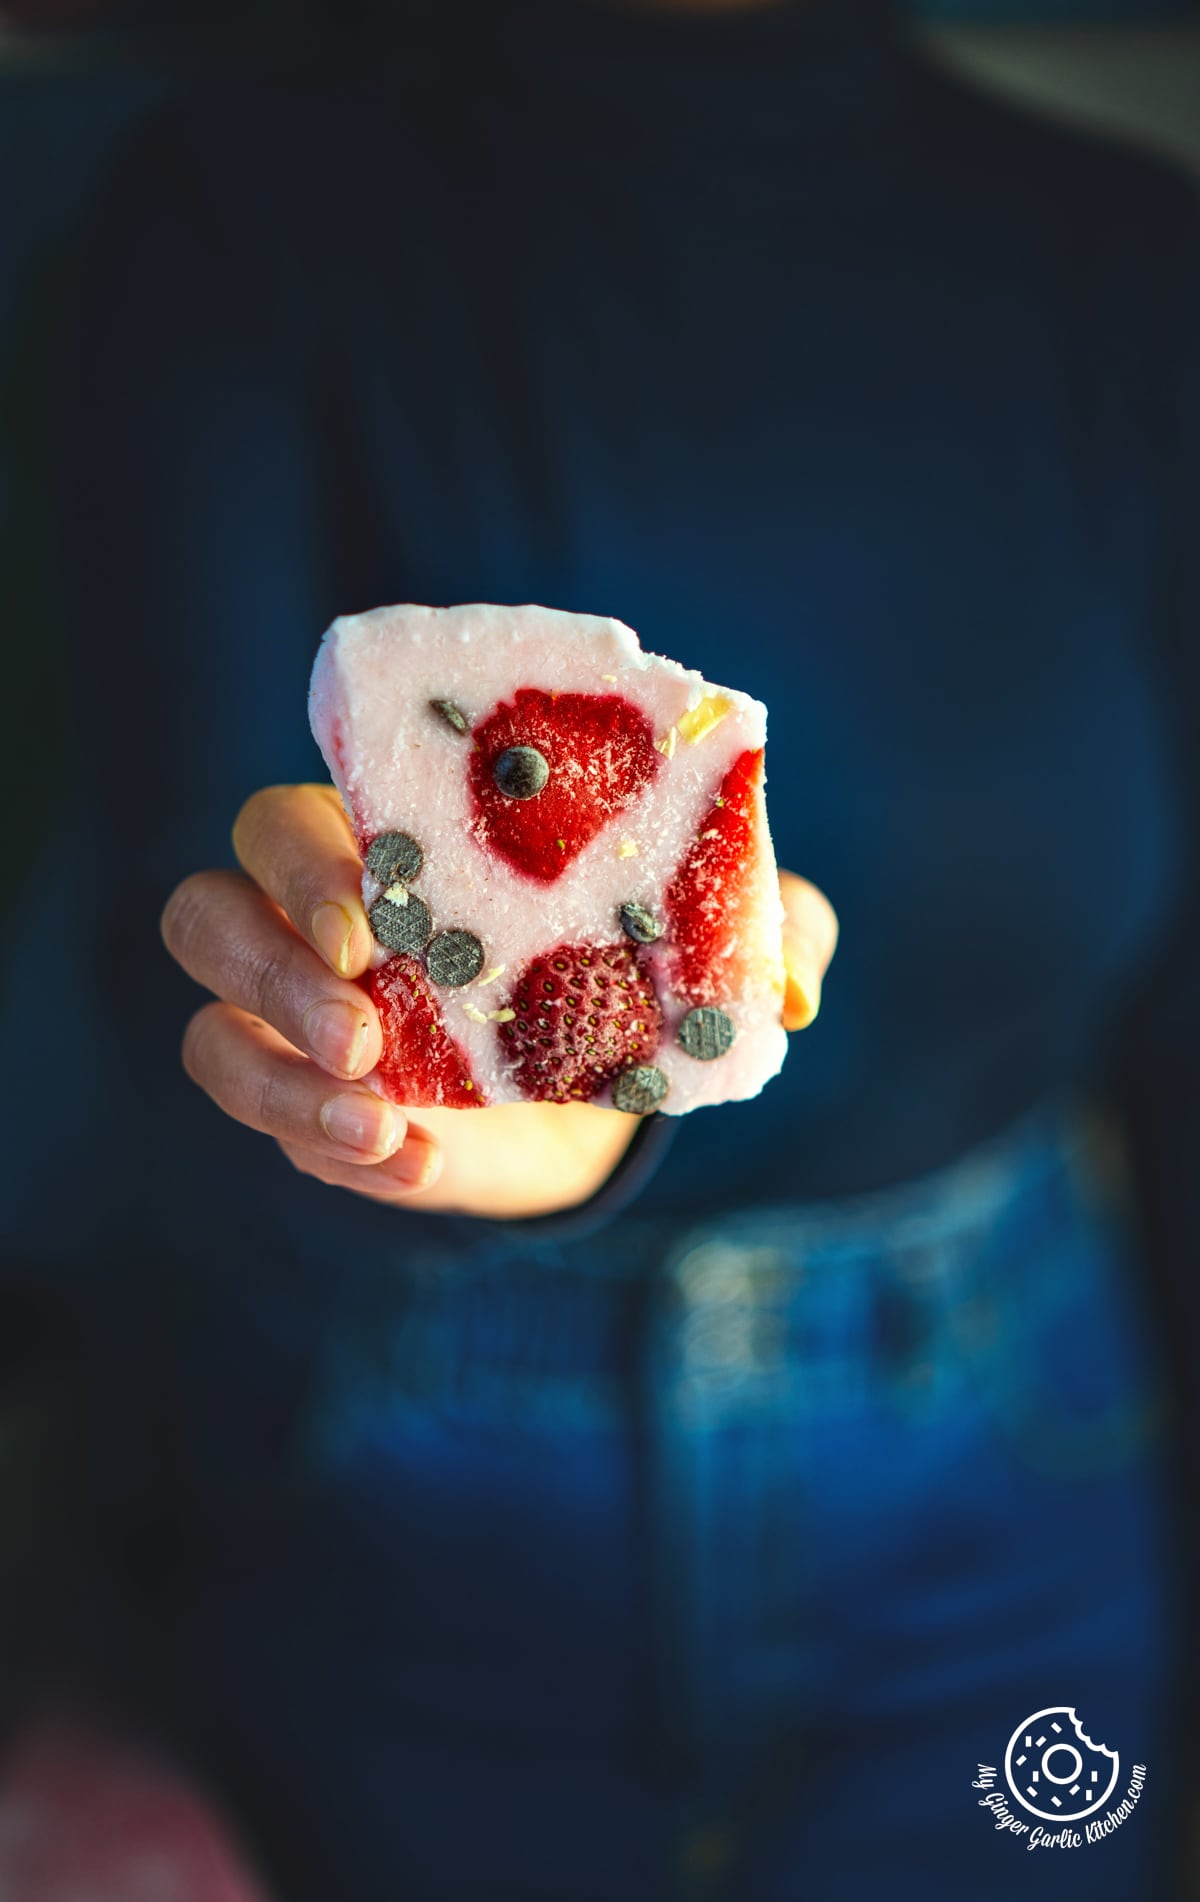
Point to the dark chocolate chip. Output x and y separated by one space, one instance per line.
392 856
640 1091
638 923
452 715
520 772
401 927
454 957
707 1032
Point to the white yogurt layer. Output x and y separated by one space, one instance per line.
400 767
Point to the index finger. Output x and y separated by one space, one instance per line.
296 844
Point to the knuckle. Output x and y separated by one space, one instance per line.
266 983
271 1099
259 986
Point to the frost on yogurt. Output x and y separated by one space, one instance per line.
566 860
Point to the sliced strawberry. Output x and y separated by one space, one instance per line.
584 1013
421 1063
710 898
601 755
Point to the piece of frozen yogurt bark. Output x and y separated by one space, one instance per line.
567 865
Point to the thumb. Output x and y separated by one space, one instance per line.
810 934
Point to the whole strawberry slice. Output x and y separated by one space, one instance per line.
597 757
584 1013
421 1063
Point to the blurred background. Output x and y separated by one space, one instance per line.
75 77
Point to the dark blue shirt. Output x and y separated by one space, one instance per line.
832 377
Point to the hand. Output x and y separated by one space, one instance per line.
810 935
291 1037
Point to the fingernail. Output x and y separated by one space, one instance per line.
336 1033
362 1122
331 926
801 1000
419 1163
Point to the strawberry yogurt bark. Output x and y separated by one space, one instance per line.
567 866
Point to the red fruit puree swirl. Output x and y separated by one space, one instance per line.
601 755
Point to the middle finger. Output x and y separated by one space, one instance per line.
232 939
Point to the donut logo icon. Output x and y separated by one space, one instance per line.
1055 1770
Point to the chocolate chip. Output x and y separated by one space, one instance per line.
641 1090
520 772
452 715
454 957
706 1033
638 923
401 927
392 856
